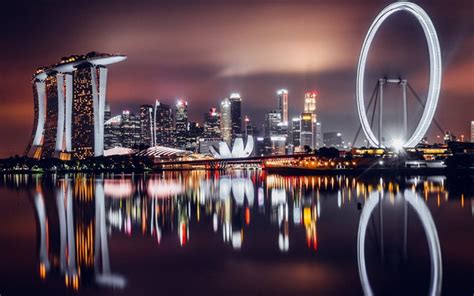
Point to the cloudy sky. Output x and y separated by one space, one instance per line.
204 50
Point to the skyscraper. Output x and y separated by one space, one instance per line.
272 119
226 120
146 125
70 106
283 104
248 127
296 132
472 131
130 128
236 114
310 107
307 132
310 101
319 135
163 125
212 122
113 132
181 124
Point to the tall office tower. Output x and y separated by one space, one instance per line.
226 121
283 104
70 112
181 124
248 127
113 132
319 135
163 125
272 119
333 139
296 132
146 124
472 131
236 114
195 131
212 124
310 102
307 132
130 127
310 107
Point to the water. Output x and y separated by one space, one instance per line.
241 233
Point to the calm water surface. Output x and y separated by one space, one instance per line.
240 233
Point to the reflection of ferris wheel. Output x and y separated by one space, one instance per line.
429 227
434 85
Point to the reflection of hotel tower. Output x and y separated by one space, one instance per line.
69 104
72 233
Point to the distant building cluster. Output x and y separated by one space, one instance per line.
73 120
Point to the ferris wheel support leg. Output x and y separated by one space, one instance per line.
405 110
381 83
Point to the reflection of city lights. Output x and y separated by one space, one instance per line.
118 188
158 188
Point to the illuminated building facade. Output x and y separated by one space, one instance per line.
146 125
70 106
52 112
130 129
212 122
310 107
333 139
272 119
113 132
226 121
283 104
296 132
319 135
472 131
306 130
163 125
181 124
236 114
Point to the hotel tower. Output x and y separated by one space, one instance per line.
69 103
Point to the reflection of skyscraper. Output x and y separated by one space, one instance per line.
181 124
163 125
283 104
236 114
226 120
146 120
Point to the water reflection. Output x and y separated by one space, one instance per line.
77 214
424 214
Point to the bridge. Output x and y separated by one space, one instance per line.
223 163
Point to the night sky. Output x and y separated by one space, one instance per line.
202 51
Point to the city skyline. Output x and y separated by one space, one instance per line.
298 61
